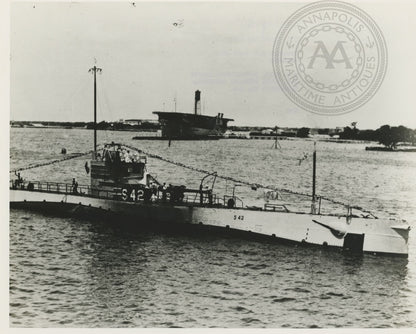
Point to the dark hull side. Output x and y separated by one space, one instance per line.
189 126
358 234
128 222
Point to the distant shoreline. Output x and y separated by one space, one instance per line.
71 128
66 127
256 137
149 130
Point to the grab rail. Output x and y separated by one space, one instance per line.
275 207
116 194
61 188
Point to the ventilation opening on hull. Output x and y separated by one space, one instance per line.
353 243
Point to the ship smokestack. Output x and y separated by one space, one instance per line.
197 108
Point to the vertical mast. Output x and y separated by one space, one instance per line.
275 139
314 177
314 171
197 107
95 108
94 70
276 142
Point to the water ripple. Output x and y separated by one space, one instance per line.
72 273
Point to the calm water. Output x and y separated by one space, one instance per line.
73 273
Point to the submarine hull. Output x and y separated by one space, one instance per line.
358 235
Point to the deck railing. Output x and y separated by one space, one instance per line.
191 197
86 190
62 188
275 207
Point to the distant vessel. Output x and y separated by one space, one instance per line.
192 126
390 149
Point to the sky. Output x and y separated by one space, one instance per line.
155 53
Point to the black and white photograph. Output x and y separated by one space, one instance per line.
229 165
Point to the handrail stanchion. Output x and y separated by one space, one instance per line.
319 207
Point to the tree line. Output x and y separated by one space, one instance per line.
389 136
123 126
386 135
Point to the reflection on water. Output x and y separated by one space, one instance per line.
89 274
75 273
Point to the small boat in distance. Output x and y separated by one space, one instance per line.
122 187
390 149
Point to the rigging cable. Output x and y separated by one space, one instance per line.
200 170
81 87
257 185
66 158
104 106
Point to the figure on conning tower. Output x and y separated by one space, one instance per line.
116 167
